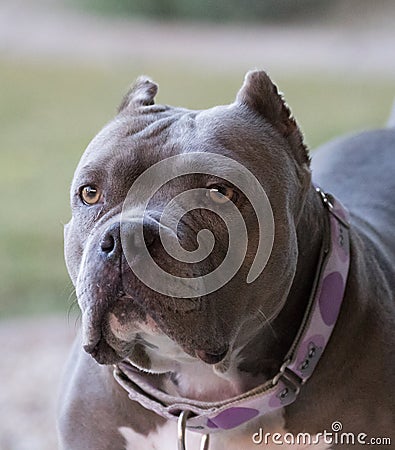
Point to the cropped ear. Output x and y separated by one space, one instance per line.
142 93
261 94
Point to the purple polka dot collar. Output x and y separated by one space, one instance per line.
299 364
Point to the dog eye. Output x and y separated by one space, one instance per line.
221 194
90 195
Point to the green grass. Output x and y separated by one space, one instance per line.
48 114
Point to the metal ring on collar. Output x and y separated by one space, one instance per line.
181 432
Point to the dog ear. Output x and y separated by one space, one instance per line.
142 93
261 94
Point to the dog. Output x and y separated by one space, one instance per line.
305 345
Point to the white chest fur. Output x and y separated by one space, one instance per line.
165 437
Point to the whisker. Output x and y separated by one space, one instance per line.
73 306
77 319
262 317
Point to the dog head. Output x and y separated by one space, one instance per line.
126 317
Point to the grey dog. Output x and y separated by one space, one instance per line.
223 344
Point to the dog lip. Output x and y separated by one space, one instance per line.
103 353
211 358
90 348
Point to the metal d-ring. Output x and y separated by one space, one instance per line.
204 443
181 431
181 428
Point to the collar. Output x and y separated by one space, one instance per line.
299 364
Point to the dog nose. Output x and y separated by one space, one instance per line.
110 241
110 244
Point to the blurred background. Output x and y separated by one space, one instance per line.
64 66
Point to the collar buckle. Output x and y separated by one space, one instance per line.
327 202
292 382
290 377
325 199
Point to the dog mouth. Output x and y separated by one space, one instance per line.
105 353
143 354
110 333
126 332
122 320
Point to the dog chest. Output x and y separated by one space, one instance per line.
241 438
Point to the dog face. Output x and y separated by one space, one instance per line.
122 316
